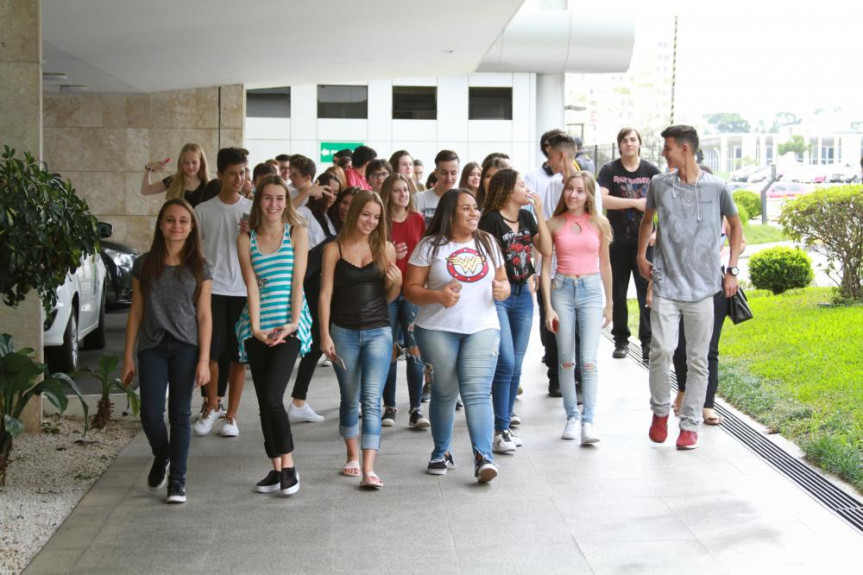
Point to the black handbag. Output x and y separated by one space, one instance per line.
738 307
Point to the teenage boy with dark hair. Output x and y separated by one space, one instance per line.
219 223
446 169
623 183
377 171
263 169
686 273
419 169
301 176
284 161
356 172
343 158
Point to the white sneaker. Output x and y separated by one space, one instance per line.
515 438
571 429
304 413
324 361
205 424
503 442
588 434
222 411
230 429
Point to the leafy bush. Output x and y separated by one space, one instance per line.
780 269
743 214
749 201
105 375
45 230
831 221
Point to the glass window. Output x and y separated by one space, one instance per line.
343 102
414 103
269 103
490 104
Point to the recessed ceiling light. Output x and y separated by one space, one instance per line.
54 76
72 88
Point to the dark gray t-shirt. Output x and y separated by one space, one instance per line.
686 264
170 305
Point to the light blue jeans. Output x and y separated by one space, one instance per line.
461 363
366 353
578 299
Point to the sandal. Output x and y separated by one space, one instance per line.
351 468
371 480
713 419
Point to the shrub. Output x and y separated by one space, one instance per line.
749 201
743 214
831 221
780 269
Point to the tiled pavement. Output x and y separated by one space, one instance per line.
623 506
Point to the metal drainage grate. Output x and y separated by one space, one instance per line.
822 489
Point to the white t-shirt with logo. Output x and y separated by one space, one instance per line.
475 310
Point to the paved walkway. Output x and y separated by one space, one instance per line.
624 506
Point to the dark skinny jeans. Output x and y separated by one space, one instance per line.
271 369
309 362
720 310
623 264
169 365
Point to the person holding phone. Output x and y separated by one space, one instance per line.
275 326
581 236
188 182
517 234
171 323
359 276
455 275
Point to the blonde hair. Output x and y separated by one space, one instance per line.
378 237
177 188
289 216
589 205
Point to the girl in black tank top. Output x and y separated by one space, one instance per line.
359 277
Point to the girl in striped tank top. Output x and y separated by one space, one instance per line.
275 326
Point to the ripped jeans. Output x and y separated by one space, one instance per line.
578 299
402 316
461 363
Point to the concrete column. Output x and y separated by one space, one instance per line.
550 114
21 128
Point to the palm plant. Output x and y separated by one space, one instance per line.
105 374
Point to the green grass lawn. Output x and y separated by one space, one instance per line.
797 367
763 234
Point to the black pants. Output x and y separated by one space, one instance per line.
720 310
271 369
624 264
309 361
549 342
226 311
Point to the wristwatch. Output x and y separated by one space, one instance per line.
732 270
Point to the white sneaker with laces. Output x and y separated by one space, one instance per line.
230 429
515 438
588 434
503 442
304 413
205 424
571 429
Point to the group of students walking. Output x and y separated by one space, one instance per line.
361 275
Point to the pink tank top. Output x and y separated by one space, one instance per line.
577 252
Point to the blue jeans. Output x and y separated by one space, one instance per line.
578 299
402 315
366 353
169 365
516 317
462 363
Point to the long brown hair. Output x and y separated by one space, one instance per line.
192 256
589 204
289 216
495 162
378 237
178 183
440 229
387 194
500 188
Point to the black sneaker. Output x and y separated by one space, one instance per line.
645 353
450 463
270 483
437 466
176 492
554 391
290 481
620 348
388 419
158 476
418 420
458 405
484 470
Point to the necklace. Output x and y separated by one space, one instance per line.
506 219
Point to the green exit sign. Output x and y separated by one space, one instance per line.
329 149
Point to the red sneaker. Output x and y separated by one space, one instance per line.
687 439
658 429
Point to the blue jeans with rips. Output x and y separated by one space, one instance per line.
402 316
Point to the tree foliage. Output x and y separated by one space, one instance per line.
727 122
794 144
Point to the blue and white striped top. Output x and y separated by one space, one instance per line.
275 273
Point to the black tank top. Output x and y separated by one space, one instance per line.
359 297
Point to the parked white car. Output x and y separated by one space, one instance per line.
78 319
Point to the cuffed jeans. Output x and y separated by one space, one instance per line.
271 369
623 264
578 301
169 365
720 310
665 319
461 363
516 317
366 353
402 315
